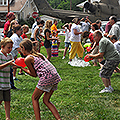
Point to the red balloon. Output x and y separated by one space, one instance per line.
42 43
86 58
20 62
88 49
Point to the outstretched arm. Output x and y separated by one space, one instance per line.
30 62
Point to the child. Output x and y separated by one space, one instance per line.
67 28
54 46
39 66
25 30
5 62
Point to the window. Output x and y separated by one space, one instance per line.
3 2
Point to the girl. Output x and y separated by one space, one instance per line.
54 46
48 38
39 66
5 62
67 28
25 30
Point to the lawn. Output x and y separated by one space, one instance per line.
77 97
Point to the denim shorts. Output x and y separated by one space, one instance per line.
5 95
67 44
108 68
48 88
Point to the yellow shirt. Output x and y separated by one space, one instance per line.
54 28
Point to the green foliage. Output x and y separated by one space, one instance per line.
77 97
65 4
60 24
23 22
28 22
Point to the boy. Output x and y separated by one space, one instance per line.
5 62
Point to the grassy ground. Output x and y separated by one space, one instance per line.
77 97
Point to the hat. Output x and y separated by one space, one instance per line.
9 15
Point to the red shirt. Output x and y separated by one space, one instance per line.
24 36
108 27
6 26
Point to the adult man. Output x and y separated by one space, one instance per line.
38 19
115 30
112 59
10 16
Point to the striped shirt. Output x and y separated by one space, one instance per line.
5 72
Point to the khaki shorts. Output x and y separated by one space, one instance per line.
5 95
108 68
48 88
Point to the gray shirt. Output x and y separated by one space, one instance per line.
106 46
115 30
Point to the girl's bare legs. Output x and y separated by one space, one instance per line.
7 110
52 108
35 100
48 53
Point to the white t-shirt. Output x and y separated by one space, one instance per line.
33 27
37 27
117 46
73 37
115 30
67 35
85 26
16 42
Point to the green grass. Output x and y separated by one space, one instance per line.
77 97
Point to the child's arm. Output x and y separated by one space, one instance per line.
30 62
6 64
48 38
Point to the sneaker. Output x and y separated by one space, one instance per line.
21 73
69 62
63 57
14 78
111 88
26 74
105 90
13 87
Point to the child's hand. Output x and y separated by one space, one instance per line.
15 66
90 56
11 62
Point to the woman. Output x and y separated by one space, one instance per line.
48 38
75 40
16 38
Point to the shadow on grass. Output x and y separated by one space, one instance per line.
116 91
